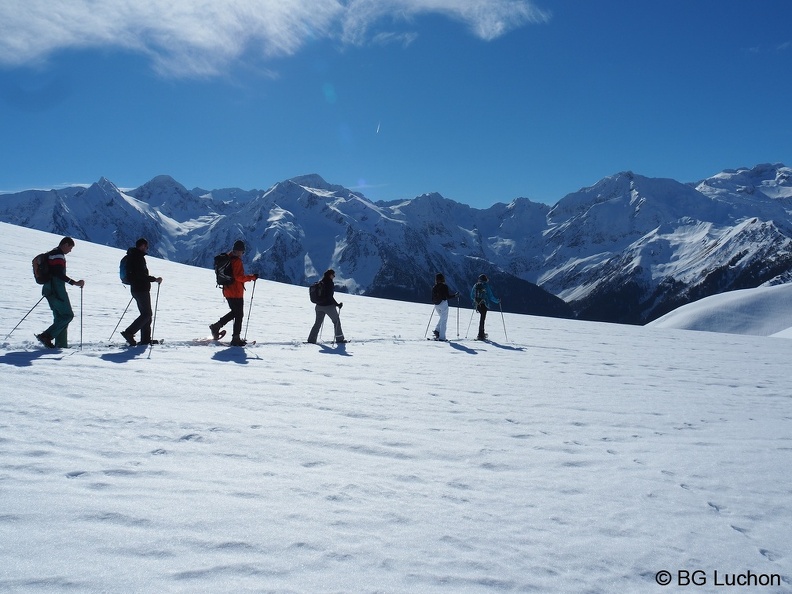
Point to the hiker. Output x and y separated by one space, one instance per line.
483 299
140 281
440 297
235 295
57 297
326 306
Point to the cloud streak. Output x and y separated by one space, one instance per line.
197 38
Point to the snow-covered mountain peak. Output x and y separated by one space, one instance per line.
171 198
106 186
626 249
316 184
773 181
311 180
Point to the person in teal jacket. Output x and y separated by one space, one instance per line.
56 336
483 299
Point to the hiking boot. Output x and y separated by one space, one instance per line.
130 338
46 340
236 341
215 330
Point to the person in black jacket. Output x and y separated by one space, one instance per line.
140 285
440 296
327 306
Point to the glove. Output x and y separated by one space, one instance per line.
255 277
340 305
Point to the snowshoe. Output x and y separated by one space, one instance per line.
130 338
45 339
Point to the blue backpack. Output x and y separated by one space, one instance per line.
123 270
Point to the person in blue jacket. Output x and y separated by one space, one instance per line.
483 299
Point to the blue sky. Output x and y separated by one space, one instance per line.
482 101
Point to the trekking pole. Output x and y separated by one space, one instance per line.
23 319
250 308
156 305
81 317
457 316
504 321
430 321
470 322
121 318
154 321
339 324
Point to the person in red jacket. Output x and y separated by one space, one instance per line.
235 295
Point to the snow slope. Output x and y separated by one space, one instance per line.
570 457
763 311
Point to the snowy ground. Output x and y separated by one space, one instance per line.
568 457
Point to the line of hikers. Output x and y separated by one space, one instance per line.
49 270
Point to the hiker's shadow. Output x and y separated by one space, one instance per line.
125 355
339 349
505 347
232 355
26 358
463 348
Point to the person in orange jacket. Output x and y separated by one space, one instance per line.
235 295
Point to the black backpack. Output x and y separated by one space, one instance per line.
315 291
222 267
436 299
41 268
123 270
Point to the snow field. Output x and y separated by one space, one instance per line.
574 457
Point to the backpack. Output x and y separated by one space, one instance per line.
123 271
436 299
41 269
315 291
222 267
479 294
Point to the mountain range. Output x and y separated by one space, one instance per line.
628 249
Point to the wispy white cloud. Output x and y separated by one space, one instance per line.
487 19
201 37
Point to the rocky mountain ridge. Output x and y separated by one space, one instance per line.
627 249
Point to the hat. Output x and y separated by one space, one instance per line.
239 245
483 278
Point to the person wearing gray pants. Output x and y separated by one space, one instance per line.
326 306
